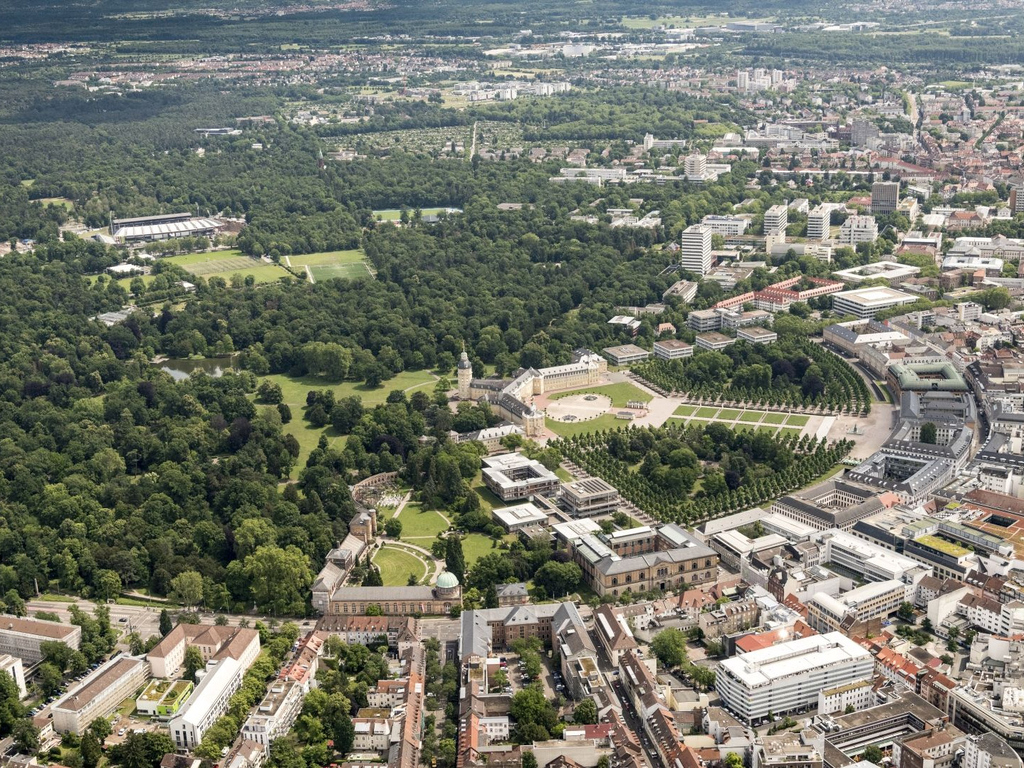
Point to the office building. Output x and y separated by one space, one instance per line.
695 166
99 694
757 335
857 612
163 698
868 302
520 516
672 349
869 561
695 254
589 497
513 476
892 272
702 320
858 229
714 341
787 677
819 222
22 638
208 702
885 196
625 354
776 219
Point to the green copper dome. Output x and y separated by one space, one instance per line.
447 580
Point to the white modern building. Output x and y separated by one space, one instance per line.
868 302
869 560
727 226
858 229
208 702
819 222
776 219
276 713
12 666
892 272
695 255
787 677
520 516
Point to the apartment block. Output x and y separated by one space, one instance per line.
99 694
208 702
695 254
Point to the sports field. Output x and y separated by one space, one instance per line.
225 264
326 266
395 214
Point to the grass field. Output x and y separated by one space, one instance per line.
475 546
751 416
396 564
395 214
706 413
570 428
774 418
326 266
728 414
620 394
418 523
227 263
797 420
685 410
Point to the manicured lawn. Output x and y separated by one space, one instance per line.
564 476
685 410
570 428
706 413
790 431
354 256
418 523
192 259
797 420
620 393
396 564
751 416
339 271
768 430
774 418
395 214
475 546
728 414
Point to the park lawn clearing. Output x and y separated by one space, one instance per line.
620 394
706 413
571 428
774 418
752 417
728 414
685 410
476 545
419 523
308 438
397 564
294 390
797 421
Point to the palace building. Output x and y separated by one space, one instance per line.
512 399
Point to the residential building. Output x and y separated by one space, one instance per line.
819 222
214 643
987 750
275 715
208 702
372 734
512 594
23 638
397 632
868 302
786 750
858 229
99 694
613 633
695 254
589 497
513 476
787 677
776 219
858 695
672 349
885 196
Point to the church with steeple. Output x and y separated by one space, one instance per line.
512 399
